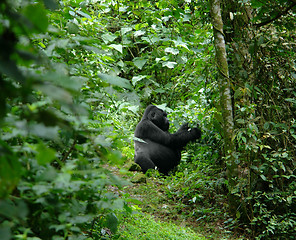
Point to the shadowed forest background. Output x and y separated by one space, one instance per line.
75 78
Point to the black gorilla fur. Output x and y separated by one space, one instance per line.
155 146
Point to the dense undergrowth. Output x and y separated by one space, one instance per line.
75 77
165 199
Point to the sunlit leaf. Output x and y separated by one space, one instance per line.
125 30
81 13
263 177
169 64
173 51
180 43
139 33
291 100
136 79
117 47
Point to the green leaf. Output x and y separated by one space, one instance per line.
49 174
117 47
125 30
10 69
264 146
10 170
61 79
5 232
263 177
37 16
240 121
39 189
44 154
140 62
117 81
62 43
257 4
72 28
108 37
180 43
118 204
291 100
266 125
139 33
55 93
13 209
112 222
83 14
282 166
43 131
51 4
173 51
136 79
169 64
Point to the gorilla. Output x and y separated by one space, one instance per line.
155 146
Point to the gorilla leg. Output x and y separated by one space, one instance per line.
144 162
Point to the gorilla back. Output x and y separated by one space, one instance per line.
155 146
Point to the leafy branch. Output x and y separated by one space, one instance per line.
279 15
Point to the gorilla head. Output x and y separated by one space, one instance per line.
157 116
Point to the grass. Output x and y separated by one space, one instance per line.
145 227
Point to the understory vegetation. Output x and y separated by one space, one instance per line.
75 78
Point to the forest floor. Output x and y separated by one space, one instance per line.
157 208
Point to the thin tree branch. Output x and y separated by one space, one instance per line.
279 15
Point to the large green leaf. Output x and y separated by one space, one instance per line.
173 51
44 154
169 64
10 170
117 81
55 93
37 16
72 28
117 47
136 79
51 4
108 37
140 62
112 222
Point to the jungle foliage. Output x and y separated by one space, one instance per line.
75 77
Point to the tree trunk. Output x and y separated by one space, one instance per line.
225 102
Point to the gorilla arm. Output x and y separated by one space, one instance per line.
148 130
